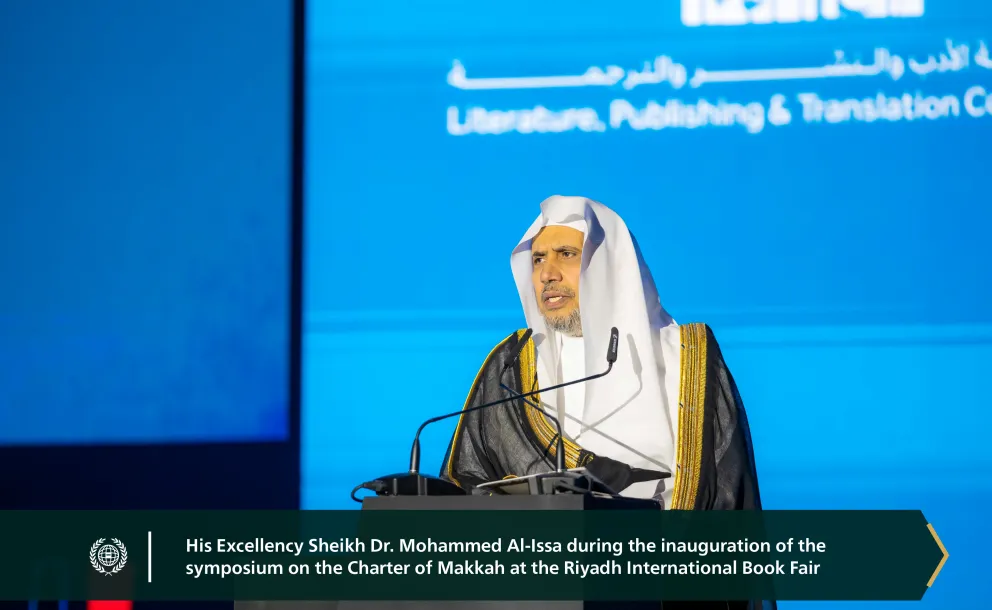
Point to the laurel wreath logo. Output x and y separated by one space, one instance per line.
120 562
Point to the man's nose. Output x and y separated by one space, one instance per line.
550 273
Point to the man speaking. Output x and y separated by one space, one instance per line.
668 406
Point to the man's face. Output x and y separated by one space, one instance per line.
557 257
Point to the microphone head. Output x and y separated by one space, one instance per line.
526 337
611 353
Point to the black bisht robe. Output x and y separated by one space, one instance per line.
715 460
714 456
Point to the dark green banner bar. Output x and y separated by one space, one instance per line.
469 555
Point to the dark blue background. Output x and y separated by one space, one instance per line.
150 209
145 221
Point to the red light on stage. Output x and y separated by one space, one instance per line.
108 606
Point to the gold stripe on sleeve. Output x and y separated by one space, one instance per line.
692 396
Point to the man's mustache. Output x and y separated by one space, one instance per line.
556 290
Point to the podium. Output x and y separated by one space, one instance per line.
558 501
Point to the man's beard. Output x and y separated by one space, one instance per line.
570 325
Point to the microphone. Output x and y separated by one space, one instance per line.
560 446
611 357
413 483
614 346
415 451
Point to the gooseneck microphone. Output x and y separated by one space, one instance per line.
560 446
611 357
413 483
614 346
415 451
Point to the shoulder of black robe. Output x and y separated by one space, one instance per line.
727 473
715 457
728 476
467 462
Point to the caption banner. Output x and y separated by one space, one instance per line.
471 555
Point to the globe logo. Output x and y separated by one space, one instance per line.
108 555
108 558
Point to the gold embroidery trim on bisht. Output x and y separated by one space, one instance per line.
539 423
458 427
692 395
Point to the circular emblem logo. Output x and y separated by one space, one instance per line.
108 557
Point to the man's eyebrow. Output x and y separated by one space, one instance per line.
544 252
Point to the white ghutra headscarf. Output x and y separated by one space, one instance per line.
631 414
